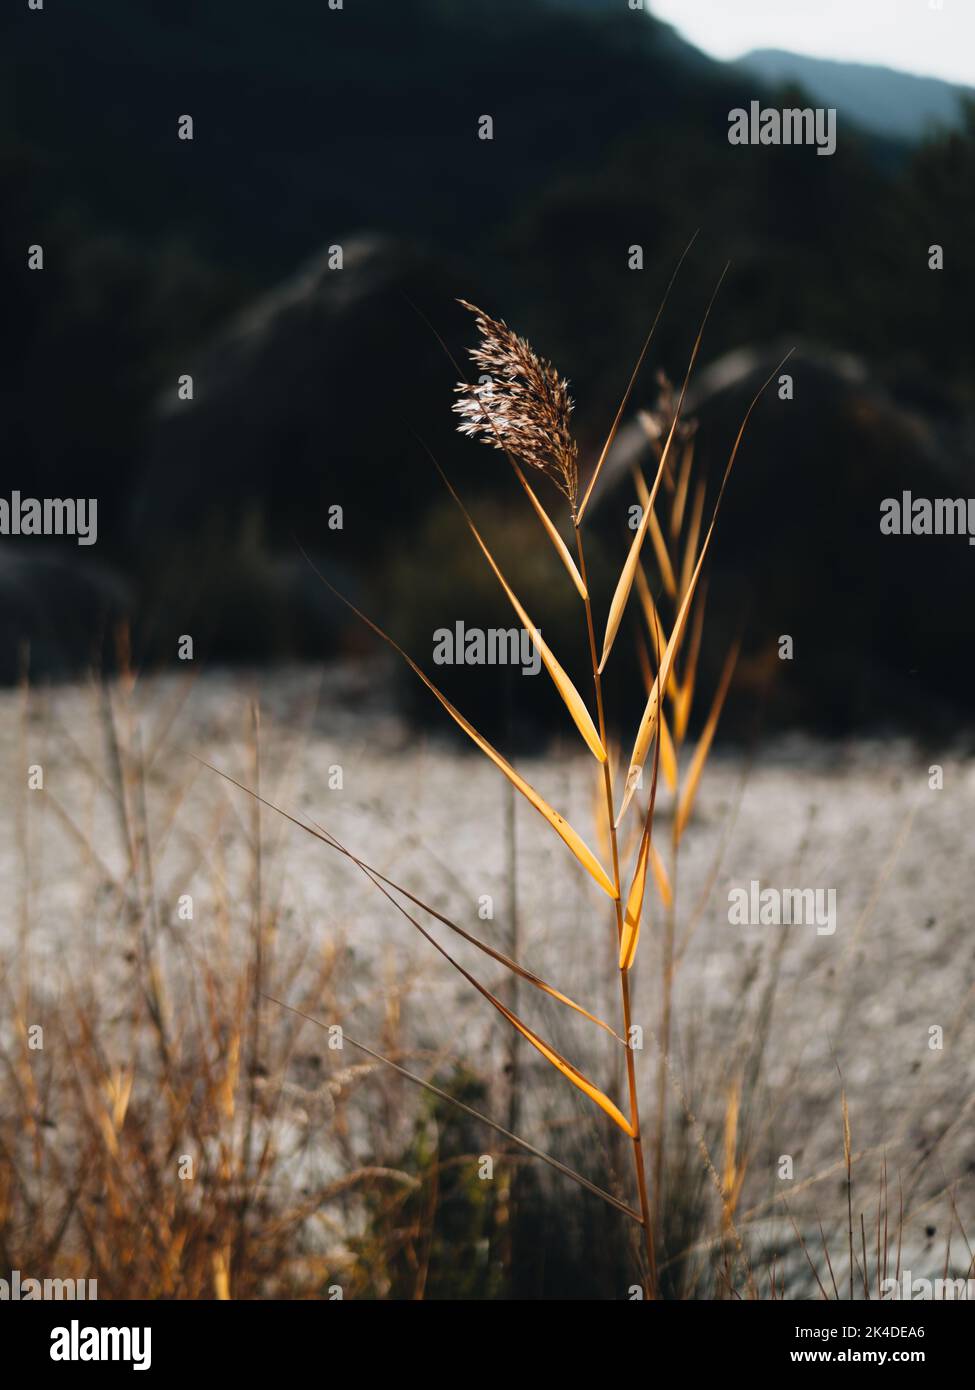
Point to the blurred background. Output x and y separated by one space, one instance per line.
357 128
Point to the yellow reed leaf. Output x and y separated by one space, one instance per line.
655 627
630 934
562 550
570 1072
558 823
560 1063
573 701
629 389
663 559
680 495
656 534
383 883
704 745
634 906
682 697
693 532
660 876
625 582
648 723
668 757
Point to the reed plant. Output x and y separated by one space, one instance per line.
521 406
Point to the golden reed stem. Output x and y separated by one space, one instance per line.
641 1178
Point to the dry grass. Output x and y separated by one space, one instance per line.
161 1134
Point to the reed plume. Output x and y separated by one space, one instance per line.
524 408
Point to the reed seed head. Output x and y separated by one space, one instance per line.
657 422
523 409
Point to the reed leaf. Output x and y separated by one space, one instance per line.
625 582
634 904
630 566
661 876
663 559
704 745
656 534
559 824
380 879
522 971
573 701
561 1064
561 549
475 1114
648 723
682 697
680 495
629 388
693 534
654 626
668 755
571 1072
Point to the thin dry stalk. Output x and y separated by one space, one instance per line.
637 1138
848 1160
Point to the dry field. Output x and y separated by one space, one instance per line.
150 1029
